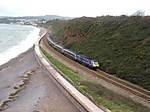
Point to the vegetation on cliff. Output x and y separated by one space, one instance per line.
121 44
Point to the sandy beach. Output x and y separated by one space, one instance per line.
26 87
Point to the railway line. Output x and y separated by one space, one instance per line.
125 85
131 88
145 94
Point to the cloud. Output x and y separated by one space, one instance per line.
73 7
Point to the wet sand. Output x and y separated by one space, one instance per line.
26 87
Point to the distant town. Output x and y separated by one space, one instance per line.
30 20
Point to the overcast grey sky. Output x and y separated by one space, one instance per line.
73 8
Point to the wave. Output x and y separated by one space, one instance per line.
20 48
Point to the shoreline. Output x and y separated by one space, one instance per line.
26 86
21 47
9 95
15 85
19 56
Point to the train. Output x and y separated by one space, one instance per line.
80 58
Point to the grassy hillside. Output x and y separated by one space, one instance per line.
120 44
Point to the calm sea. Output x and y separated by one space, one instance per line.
15 39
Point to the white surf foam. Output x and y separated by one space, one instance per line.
20 48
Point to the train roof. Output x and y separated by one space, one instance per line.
69 51
59 46
49 39
85 56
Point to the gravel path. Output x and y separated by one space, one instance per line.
26 87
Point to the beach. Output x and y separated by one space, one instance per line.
25 86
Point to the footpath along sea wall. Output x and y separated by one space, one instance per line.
83 102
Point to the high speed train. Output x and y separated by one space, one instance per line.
82 59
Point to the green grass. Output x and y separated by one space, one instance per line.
97 93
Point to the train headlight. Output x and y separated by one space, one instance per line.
95 63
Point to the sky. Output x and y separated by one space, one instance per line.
72 8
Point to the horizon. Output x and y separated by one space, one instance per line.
74 17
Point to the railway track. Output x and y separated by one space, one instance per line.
138 91
134 89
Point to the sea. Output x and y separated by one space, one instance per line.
16 39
